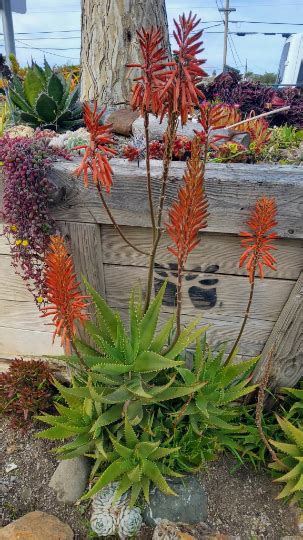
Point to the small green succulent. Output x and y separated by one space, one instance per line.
136 463
223 384
290 461
43 99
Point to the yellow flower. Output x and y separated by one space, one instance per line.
18 242
24 242
14 228
40 299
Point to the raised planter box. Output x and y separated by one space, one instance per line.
214 287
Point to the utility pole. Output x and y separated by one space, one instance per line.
8 27
227 10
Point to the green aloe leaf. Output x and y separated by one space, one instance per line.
161 338
232 371
149 322
108 317
57 432
113 471
151 361
108 417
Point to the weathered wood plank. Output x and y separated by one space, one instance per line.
86 247
19 342
231 189
23 315
224 332
4 245
222 296
220 252
12 287
286 341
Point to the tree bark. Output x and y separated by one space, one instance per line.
109 43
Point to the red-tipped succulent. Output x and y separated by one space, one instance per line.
258 243
96 153
67 304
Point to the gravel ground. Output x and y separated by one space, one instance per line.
240 504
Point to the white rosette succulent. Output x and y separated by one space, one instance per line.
111 516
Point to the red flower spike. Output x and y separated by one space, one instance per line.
95 157
257 243
189 213
67 303
145 96
180 82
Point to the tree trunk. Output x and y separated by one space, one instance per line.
109 43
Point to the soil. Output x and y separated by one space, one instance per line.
240 503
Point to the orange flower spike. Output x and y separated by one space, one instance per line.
96 152
257 243
188 214
181 82
67 305
145 96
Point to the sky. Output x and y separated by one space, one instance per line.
262 53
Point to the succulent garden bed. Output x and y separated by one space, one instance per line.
149 400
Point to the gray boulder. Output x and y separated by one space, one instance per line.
70 479
189 507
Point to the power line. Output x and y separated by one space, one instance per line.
43 50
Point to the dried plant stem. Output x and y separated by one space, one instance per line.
260 406
115 224
169 143
148 174
252 288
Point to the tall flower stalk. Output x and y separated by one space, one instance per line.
258 245
187 217
178 95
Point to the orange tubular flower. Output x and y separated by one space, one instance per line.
257 244
96 152
189 213
67 303
145 96
180 82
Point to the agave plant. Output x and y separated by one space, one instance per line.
290 462
44 99
210 406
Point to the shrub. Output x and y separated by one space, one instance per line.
25 390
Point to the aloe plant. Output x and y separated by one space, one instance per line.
290 462
44 99
128 374
210 406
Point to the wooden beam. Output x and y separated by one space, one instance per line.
286 340
231 190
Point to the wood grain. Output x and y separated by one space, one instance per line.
231 189
215 250
286 341
12 287
23 315
4 245
19 342
231 291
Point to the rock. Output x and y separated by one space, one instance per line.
166 530
157 130
241 137
70 479
122 121
189 507
300 523
37 526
